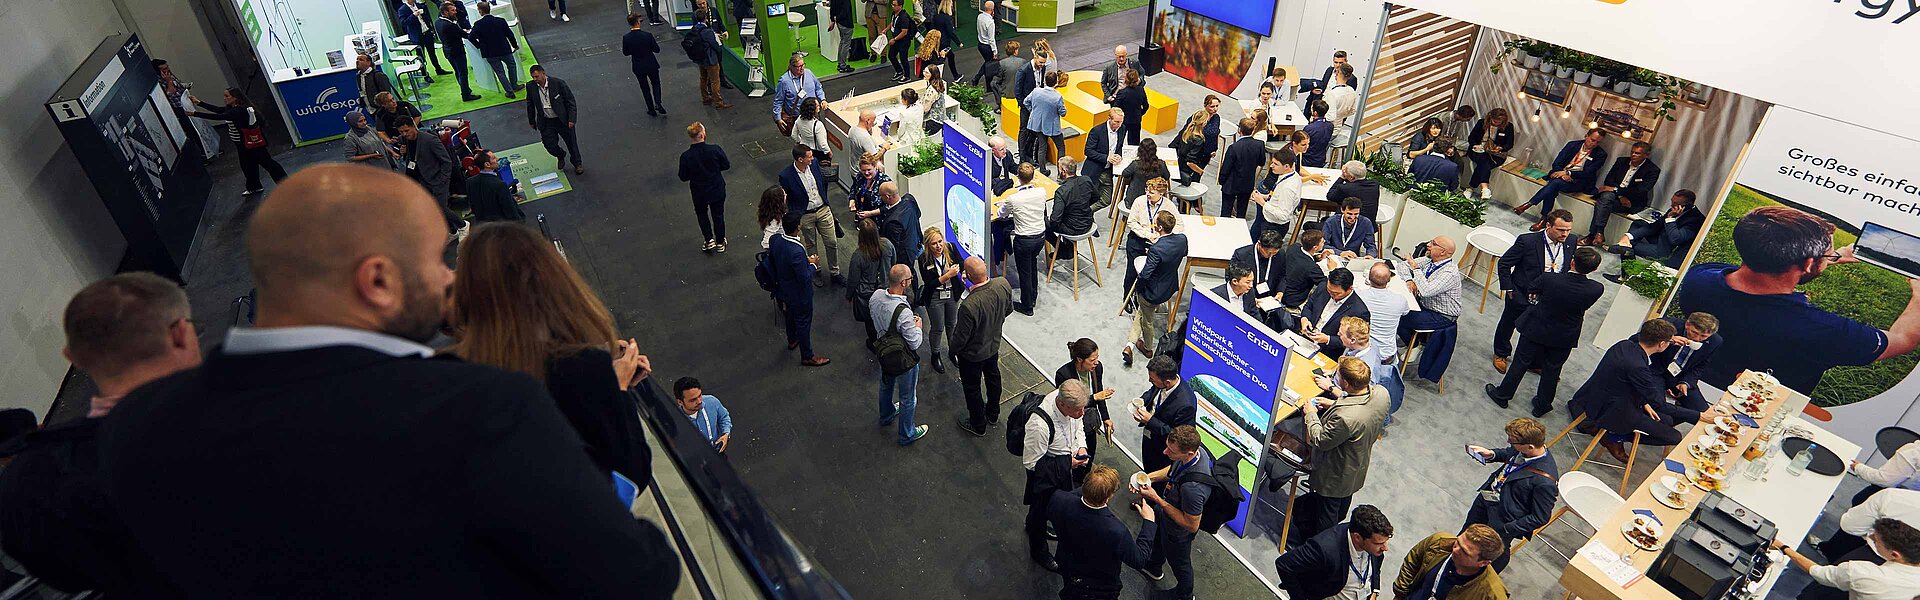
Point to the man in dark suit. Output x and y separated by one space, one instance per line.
1316 89
1168 403
335 394
1029 78
1072 209
1626 189
1625 395
1262 259
1518 497
1320 316
900 223
1680 365
1238 290
489 195
1323 566
1300 268
1001 165
703 166
1667 238
453 43
1103 156
1438 165
976 344
551 109
1158 283
1093 543
1245 160
793 274
806 189
1354 185
498 47
429 163
1550 329
1530 256
644 49
1574 171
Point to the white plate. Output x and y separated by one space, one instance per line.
1651 524
1670 483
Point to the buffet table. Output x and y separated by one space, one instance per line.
1791 502
842 115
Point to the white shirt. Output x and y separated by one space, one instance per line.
1342 102
1285 199
546 102
1899 505
1068 434
1385 308
1357 588
1327 312
814 202
1553 253
253 340
910 128
1028 207
1141 214
766 235
1867 581
985 26
1627 179
810 133
1901 471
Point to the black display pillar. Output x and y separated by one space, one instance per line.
1153 58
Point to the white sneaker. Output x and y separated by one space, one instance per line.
553 14
564 17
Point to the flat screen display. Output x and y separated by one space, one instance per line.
1252 15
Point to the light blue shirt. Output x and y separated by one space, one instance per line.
1044 108
252 340
880 306
790 90
1367 353
712 420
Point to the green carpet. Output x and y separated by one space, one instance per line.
531 162
817 60
444 92
1106 7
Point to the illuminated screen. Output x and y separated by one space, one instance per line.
1252 15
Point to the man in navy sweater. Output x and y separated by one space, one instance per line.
643 48
498 46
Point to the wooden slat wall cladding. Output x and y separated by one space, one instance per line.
1423 61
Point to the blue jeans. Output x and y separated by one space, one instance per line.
906 382
1396 389
506 69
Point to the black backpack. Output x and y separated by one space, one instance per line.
892 350
1029 407
763 271
1224 503
692 44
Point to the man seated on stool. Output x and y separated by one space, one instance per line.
1518 497
1354 185
1350 235
1574 172
1238 290
1665 239
1300 268
1440 165
1681 363
1320 317
1435 283
1625 190
1262 260
1625 395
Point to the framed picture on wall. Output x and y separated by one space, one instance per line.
1697 95
1628 119
1547 88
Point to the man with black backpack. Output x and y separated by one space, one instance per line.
1053 444
1196 499
898 349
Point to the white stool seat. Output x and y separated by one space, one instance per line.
402 39
1491 240
1190 192
514 23
796 18
410 67
1383 215
405 48
1588 497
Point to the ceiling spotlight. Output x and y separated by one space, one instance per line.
1536 116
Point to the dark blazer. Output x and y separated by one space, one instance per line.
1434 167
1301 276
1503 137
1689 374
1099 146
841 12
1024 85
1526 499
56 520
1072 212
453 39
492 36
409 20
930 274
702 167
491 199
1178 410
1662 239
792 274
1367 191
587 390
371 84
564 108
1621 384
1244 161
1589 171
1276 268
433 164
1001 172
797 192
644 48
1318 568
1094 543
1246 302
357 473
1564 300
1310 313
901 224
1096 409
1132 102
1526 260
1644 180
1160 280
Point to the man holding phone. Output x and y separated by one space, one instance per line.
1053 446
1518 497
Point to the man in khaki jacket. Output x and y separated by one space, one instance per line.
1342 424
1468 560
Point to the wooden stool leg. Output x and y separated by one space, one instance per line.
1113 245
1632 452
1486 283
1076 273
1093 259
1051 253
1292 492
1563 433
1584 453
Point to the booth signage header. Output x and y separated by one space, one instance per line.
1837 52
318 104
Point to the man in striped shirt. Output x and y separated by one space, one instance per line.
1435 282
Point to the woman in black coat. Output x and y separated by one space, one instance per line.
249 138
1132 102
1487 146
1086 367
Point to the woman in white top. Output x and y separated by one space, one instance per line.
932 99
810 132
910 128
772 209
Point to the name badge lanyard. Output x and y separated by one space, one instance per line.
1362 574
1438 576
1347 238
1511 466
1553 258
1431 267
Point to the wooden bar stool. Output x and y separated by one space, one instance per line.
1418 340
1093 258
1632 451
1119 232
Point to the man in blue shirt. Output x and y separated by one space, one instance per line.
709 417
1767 325
1349 234
796 85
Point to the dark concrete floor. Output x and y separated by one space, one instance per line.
940 519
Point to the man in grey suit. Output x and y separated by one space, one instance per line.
429 163
1115 73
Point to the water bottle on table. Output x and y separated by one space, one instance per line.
1801 459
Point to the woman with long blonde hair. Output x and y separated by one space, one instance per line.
1191 147
519 306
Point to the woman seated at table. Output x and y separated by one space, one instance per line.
910 128
1140 224
1146 165
1426 140
1086 367
1300 141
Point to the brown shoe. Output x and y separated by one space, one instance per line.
1615 449
722 105
1537 225
1500 364
579 170
1522 209
817 361
707 101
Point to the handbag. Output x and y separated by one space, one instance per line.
251 136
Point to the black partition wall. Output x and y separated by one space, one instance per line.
134 148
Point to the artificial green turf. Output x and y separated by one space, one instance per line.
1105 7
445 90
1859 291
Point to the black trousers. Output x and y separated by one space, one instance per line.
980 410
713 219
427 43
1026 260
897 56
1535 355
1135 248
1516 305
252 160
1483 166
1033 148
1130 131
457 57
650 89
986 55
1477 515
1314 513
552 132
1173 547
1235 204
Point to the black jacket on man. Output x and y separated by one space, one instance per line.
343 471
1072 212
55 518
491 200
1243 163
644 49
702 167
1564 300
1526 261
565 110
1526 498
1276 270
1001 172
1247 304
1319 568
1178 409
493 37
1367 191
1698 359
1301 277
1100 145
453 39
1638 191
976 332
1622 385
1160 280
1094 544
1353 306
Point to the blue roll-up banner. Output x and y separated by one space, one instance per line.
1235 367
318 104
966 192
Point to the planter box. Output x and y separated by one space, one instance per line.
929 190
1623 318
1416 223
1531 62
1621 87
1599 81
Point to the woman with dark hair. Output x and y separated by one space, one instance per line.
810 132
1146 165
911 126
1300 141
939 274
1427 139
243 127
1487 147
868 271
517 305
1086 367
1131 99
772 208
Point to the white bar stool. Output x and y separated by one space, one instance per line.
1093 258
1190 196
1490 242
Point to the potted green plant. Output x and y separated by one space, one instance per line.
1516 48
1641 86
973 101
1667 92
1603 70
1645 282
920 167
1432 210
1582 64
1536 51
1549 58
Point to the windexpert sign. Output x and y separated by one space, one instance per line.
1843 54
318 104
